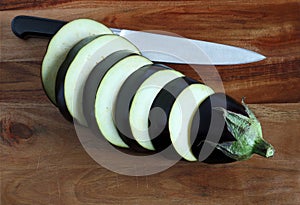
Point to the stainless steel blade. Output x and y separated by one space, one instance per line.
157 47
172 49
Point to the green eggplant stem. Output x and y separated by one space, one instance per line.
248 134
264 149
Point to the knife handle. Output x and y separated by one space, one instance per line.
30 26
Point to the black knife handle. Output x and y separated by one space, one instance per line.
31 26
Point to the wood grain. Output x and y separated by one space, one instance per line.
43 162
255 26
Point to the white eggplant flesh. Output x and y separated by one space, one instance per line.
141 105
124 99
93 82
181 117
59 46
84 62
107 94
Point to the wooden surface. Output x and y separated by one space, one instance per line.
43 162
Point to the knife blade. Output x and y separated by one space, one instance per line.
157 47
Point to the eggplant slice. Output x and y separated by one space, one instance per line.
59 46
124 99
61 74
84 62
181 117
141 105
93 82
164 102
107 95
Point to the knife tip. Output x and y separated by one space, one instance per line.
261 57
252 57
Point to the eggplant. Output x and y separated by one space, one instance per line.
124 99
83 63
100 80
107 94
59 46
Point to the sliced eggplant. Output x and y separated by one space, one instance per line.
124 99
61 44
181 118
86 59
107 95
141 105
61 74
87 71
93 82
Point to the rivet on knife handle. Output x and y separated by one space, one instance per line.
30 26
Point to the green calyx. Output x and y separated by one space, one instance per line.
248 134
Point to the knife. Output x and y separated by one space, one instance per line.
156 47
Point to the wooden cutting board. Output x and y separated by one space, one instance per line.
43 162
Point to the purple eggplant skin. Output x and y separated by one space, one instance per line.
124 100
61 74
93 82
160 119
206 111
164 101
